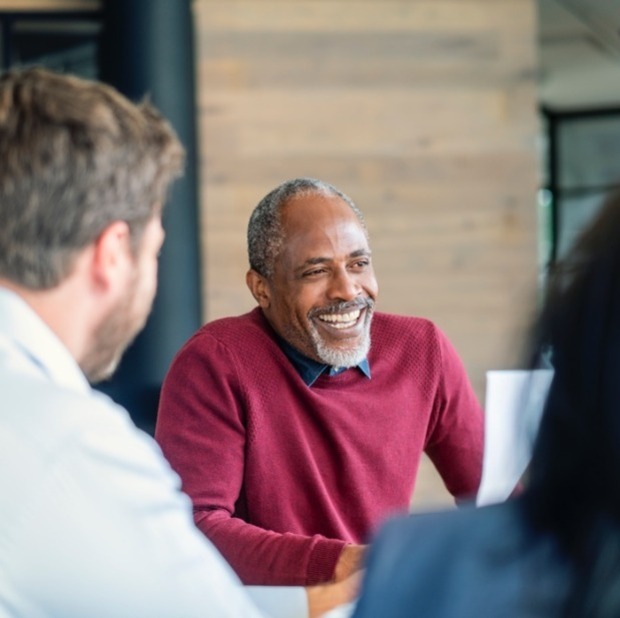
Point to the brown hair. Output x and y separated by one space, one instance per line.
75 155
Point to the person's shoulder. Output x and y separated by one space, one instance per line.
233 329
236 335
437 564
31 400
425 543
52 423
444 527
409 323
59 411
404 328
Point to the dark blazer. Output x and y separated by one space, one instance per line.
478 563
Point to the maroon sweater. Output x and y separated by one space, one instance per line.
282 475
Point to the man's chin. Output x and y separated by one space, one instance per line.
347 357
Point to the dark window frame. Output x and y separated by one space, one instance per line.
554 120
10 21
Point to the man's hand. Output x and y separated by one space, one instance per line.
351 560
325 597
343 588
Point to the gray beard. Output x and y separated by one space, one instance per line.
342 358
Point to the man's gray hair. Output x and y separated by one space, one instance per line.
265 233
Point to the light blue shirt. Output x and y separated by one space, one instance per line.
92 520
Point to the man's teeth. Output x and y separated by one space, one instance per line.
341 320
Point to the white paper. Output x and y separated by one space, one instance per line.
342 611
514 403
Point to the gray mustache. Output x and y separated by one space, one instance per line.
362 303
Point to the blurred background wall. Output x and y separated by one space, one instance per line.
472 133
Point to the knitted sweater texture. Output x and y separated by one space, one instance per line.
282 475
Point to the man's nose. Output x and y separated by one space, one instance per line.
343 285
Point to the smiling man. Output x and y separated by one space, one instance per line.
317 289
295 435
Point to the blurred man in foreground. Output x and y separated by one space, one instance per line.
92 520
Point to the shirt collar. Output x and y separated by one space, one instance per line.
22 328
309 370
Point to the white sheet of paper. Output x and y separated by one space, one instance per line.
514 402
342 611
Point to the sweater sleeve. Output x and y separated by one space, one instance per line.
202 429
455 440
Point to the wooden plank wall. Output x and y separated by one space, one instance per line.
423 111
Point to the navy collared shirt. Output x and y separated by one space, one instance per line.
309 370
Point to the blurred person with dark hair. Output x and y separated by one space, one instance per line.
299 426
93 522
554 550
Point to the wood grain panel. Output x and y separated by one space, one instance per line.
362 15
423 112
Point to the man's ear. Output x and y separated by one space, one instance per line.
111 253
259 287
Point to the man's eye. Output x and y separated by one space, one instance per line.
314 272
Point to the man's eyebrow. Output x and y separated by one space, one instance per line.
314 261
361 253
